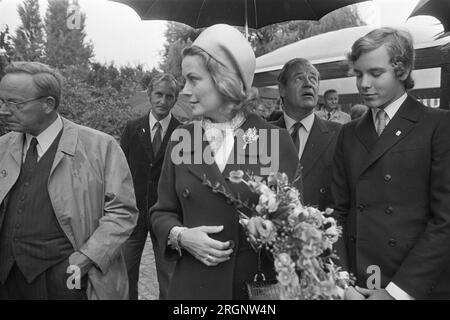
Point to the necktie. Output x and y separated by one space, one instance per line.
380 121
31 156
329 115
295 136
156 143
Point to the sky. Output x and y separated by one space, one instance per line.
119 35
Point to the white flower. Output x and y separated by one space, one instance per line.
250 136
267 199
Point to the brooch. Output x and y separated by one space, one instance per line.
250 136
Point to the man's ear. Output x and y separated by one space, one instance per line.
282 90
49 105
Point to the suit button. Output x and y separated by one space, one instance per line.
392 242
20 211
387 178
17 226
322 190
4 173
389 210
26 184
186 193
353 239
151 165
22 198
361 208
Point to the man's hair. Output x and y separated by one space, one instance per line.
164 77
399 45
290 65
227 81
48 81
329 91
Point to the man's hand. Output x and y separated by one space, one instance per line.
379 294
80 260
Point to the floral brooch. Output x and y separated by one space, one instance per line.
250 136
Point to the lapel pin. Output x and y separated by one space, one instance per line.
398 133
143 130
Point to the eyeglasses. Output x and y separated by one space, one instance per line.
10 104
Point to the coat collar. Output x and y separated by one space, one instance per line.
397 129
318 141
143 132
199 168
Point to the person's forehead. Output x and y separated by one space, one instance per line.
164 85
17 85
375 58
303 68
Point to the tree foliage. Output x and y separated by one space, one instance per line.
65 47
29 38
275 36
262 40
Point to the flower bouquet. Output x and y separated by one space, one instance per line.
299 238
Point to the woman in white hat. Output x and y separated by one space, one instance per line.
193 224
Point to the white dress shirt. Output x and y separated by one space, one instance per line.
395 291
164 125
45 139
303 131
390 110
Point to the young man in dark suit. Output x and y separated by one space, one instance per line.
391 179
314 138
144 142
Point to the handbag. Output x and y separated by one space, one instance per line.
261 288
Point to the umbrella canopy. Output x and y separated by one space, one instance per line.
252 13
440 9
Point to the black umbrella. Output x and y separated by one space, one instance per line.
439 9
250 13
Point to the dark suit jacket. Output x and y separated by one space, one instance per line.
392 195
185 200
316 161
144 165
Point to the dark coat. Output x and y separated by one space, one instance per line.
184 200
144 165
316 161
392 195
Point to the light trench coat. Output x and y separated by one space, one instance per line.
91 190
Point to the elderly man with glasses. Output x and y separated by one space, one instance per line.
67 202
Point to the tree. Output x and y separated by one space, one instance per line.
275 36
64 46
178 36
29 39
6 48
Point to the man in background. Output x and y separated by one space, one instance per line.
331 111
313 137
144 142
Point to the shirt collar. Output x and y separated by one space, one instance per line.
307 122
391 109
46 137
164 122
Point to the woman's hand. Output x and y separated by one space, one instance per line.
209 251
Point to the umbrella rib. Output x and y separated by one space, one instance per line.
312 9
151 7
200 12
256 16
